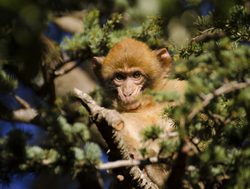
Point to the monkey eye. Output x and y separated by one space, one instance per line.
119 76
137 75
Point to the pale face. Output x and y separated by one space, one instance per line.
129 84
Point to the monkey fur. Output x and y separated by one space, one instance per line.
129 69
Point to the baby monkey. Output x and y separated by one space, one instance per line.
128 70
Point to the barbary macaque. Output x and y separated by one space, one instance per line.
128 71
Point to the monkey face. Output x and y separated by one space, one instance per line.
129 84
129 68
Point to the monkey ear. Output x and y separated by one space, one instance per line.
97 62
164 57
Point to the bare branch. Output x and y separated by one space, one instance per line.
109 123
26 114
66 68
224 89
22 102
98 113
132 162
208 34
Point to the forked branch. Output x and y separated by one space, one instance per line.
224 89
109 123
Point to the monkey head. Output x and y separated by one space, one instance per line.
129 68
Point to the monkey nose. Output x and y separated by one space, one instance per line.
127 93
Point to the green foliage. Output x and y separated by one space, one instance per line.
163 96
63 151
234 23
99 39
92 153
204 22
143 152
64 134
152 132
36 155
94 36
215 116
81 130
150 31
221 126
7 83
168 147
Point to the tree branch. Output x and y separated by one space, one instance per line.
109 123
175 178
133 162
25 114
208 34
224 89
66 68
22 102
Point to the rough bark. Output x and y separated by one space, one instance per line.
109 123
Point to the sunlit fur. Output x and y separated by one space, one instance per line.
130 53
127 55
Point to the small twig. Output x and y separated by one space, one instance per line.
207 30
172 134
22 102
218 119
66 68
195 145
132 162
26 113
224 89
210 33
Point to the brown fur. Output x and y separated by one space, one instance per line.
131 54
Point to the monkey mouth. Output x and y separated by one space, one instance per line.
130 105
